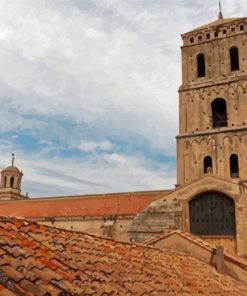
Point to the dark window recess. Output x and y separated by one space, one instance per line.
12 182
208 36
212 213
207 163
107 230
224 31
241 27
233 29
191 40
234 58
200 38
219 113
216 34
200 65
5 182
234 168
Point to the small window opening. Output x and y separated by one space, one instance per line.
5 182
191 40
234 168
234 58
241 27
233 29
200 38
207 162
216 34
208 36
224 31
200 65
219 113
12 182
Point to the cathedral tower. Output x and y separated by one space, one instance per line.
213 102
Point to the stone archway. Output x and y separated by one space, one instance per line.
212 213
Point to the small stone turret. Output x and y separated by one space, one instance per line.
11 183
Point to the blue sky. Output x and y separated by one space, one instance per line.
88 90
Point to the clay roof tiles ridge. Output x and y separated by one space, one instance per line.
50 261
129 203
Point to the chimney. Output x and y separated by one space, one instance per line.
220 259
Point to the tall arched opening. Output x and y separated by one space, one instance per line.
219 112
212 213
200 65
234 58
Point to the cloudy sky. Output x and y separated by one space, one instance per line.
88 90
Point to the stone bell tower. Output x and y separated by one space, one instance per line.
10 188
213 102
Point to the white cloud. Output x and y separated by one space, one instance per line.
116 159
89 146
98 174
112 66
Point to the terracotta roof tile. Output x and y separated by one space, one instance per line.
129 203
5 292
72 263
239 262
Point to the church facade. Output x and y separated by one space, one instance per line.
211 195
210 198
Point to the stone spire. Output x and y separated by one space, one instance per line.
220 12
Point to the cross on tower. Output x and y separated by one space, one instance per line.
220 12
13 158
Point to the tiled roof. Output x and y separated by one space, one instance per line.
235 259
40 260
217 23
189 236
129 203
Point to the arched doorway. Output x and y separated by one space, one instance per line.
212 213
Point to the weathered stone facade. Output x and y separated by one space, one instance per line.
198 137
212 141
171 211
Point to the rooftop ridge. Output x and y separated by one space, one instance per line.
60 261
216 23
100 194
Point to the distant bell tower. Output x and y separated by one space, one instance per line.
213 102
11 182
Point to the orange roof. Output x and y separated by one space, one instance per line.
217 23
40 260
73 206
240 262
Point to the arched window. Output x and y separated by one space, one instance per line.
234 168
234 58
212 213
219 113
5 182
12 182
207 163
200 65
